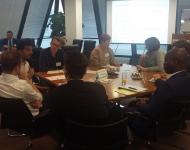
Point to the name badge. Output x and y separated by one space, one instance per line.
58 64
107 55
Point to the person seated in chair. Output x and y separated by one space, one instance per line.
79 100
24 47
51 58
154 58
9 42
13 87
176 87
102 55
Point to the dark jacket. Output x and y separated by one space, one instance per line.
14 42
48 62
175 88
80 101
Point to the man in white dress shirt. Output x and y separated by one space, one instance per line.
13 87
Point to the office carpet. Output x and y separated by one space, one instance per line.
178 141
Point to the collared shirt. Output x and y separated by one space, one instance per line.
171 75
13 87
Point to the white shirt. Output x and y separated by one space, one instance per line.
13 87
24 70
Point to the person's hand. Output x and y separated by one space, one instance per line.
36 104
141 68
157 76
5 46
142 101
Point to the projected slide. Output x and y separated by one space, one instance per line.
135 20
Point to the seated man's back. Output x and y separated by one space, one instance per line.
79 100
13 87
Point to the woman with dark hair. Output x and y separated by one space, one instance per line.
154 58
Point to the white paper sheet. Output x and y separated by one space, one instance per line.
55 71
58 77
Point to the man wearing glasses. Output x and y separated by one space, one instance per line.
51 58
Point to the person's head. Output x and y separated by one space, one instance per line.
182 44
63 41
75 66
25 48
55 44
10 62
176 60
105 39
9 34
152 44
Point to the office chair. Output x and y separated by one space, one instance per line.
17 117
88 47
134 59
166 125
79 136
78 42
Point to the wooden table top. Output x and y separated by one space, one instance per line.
112 86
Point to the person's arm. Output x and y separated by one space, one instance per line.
94 58
112 58
158 101
32 95
160 62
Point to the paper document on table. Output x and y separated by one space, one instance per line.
91 71
55 71
133 88
125 92
58 77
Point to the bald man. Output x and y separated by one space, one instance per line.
176 87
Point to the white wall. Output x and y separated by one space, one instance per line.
10 16
35 18
73 19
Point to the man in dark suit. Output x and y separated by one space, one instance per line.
78 100
9 42
51 58
176 87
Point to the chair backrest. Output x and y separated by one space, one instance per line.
78 42
89 45
134 59
106 135
174 120
70 49
16 115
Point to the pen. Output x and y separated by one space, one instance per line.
132 88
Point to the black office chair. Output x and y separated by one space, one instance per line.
166 124
16 116
88 47
79 136
78 42
134 59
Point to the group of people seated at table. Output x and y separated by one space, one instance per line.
87 101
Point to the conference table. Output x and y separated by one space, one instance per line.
57 78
